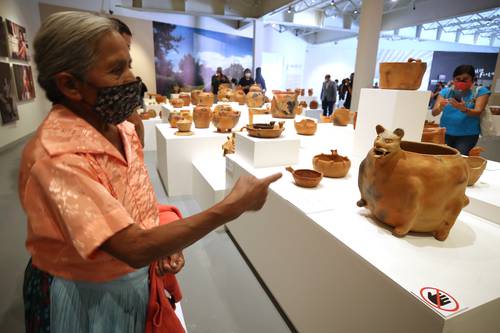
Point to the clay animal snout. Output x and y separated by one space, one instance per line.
380 151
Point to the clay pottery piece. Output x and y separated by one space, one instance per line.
255 88
325 119
297 91
160 99
341 117
332 165
194 96
303 104
305 177
205 99
495 110
202 115
434 135
313 105
402 75
225 118
225 93
354 119
145 116
225 86
284 105
177 102
310 92
476 151
173 118
306 127
302 92
413 186
266 131
184 125
186 97
240 97
255 99
229 147
428 124
476 166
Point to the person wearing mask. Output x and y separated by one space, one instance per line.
328 95
348 89
461 109
259 79
246 81
217 79
94 226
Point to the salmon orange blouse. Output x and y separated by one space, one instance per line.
77 191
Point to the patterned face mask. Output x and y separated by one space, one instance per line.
116 103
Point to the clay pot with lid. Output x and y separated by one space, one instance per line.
402 75
186 97
341 117
305 177
476 166
177 102
413 186
202 115
194 96
306 127
205 99
225 118
332 165
285 105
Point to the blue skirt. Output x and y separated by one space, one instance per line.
87 307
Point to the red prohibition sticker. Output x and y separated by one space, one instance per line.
439 299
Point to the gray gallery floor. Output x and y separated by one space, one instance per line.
221 294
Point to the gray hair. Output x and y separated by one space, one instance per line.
66 42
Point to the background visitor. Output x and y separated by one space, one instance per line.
246 81
328 95
349 85
259 79
217 79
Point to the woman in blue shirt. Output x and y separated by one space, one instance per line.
461 109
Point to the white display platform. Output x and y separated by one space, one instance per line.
268 152
209 181
314 113
484 196
150 133
333 269
406 109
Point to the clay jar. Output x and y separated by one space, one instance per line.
402 75
341 117
255 99
310 92
177 102
255 88
186 97
160 99
240 97
225 118
313 105
434 135
306 127
225 93
202 115
413 186
284 105
184 125
194 96
205 99
333 165
476 166
305 177
173 118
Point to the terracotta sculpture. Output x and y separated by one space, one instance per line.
341 117
202 115
333 165
186 97
476 166
306 127
402 75
229 147
313 105
305 177
225 118
194 96
284 105
177 102
413 186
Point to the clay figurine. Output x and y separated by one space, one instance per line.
402 75
413 186
229 147
333 165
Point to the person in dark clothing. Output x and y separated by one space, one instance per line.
246 81
328 95
349 86
217 79
144 90
259 79
234 83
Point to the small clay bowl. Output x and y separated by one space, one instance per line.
476 165
333 165
306 127
184 125
306 177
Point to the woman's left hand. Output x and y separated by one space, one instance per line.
458 105
171 264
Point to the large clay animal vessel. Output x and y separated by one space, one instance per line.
332 165
194 96
202 115
205 99
402 75
186 97
413 186
476 165
341 117
255 99
285 105
225 118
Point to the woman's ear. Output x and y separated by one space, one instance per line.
69 86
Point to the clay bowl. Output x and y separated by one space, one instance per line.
226 120
402 75
332 165
495 110
476 166
305 177
184 125
186 97
173 118
177 102
202 115
265 131
306 127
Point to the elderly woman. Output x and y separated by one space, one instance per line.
93 220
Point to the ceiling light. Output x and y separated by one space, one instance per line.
356 11
394 0
332 3
289 10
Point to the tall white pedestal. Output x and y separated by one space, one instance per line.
406 109
209 181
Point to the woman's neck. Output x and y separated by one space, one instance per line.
85 112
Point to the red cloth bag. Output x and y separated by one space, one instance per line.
161 317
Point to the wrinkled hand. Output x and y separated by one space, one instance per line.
458 105
170 264
249 194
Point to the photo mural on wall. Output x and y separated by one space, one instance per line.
8 109
4 52
24 82
18 43
186 58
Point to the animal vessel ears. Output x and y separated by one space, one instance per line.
398 131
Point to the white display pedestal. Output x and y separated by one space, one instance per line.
406 109
209 181
268 152
314 113
331 268
150 133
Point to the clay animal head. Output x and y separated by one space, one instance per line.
387 142
230 146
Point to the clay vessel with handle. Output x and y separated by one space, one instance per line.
305 177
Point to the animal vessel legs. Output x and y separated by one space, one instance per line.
453 211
